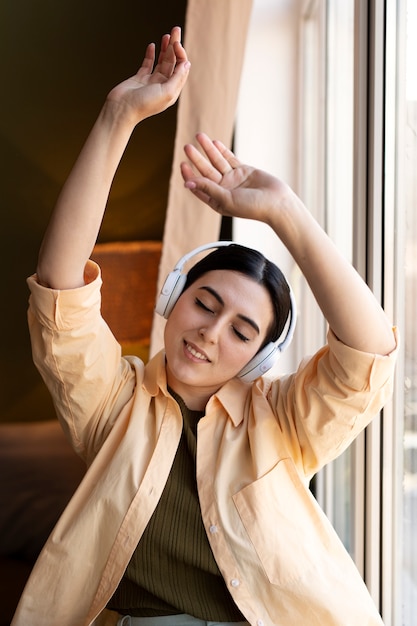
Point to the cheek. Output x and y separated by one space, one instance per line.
237 354
180 320
171 330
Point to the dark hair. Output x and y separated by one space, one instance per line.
253 264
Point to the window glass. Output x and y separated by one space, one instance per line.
409 180
327 188
339 211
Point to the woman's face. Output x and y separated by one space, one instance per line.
216 327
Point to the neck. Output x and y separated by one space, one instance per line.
195 400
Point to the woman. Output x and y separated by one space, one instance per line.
195 508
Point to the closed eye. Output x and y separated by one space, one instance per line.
240 335
203 306
237 332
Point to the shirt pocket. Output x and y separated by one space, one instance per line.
285 525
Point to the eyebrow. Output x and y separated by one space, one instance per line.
220 300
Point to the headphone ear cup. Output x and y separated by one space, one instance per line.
175 281
170 292
261 363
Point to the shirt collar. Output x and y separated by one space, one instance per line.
155 378
233 396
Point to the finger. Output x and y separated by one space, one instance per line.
164 45
175 34
171 86
171 52
202 164
148 60
180 52
220 157
166 63
186 171
227 154
170 38
211 193
200 195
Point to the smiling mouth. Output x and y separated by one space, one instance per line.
195 353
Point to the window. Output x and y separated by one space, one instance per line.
346 140
403 181
326 185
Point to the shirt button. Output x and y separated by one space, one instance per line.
235 582
260 622
213 529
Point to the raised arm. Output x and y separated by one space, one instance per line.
238 190
76 219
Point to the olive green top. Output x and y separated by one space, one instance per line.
173 569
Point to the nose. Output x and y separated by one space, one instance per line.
210 332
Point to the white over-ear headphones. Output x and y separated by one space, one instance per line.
266 358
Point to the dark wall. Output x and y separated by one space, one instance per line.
58 61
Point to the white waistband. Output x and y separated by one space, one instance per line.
172 620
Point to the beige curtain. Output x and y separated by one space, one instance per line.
215 36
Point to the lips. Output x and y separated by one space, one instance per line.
196 353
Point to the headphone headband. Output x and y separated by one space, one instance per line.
267 356
206 246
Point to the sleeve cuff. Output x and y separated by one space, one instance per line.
59 307
356 366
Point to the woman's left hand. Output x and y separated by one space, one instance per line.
230 187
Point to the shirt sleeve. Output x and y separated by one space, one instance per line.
330 399
79 359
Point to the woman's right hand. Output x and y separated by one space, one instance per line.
154 87
231 188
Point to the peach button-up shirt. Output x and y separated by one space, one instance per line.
258 446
